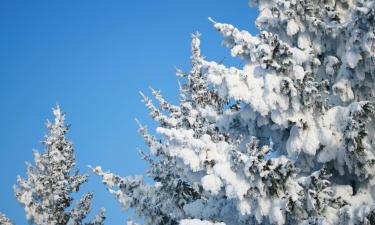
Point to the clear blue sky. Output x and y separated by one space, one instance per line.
92 57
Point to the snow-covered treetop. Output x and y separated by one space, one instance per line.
286 139
46 192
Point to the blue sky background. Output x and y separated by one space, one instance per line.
92 57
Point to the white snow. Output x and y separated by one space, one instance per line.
292 27
304 41
352 58
343 89
211 183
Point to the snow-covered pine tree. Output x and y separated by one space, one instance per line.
287 139
46 192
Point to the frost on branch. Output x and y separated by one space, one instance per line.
45 194
5 220
286 139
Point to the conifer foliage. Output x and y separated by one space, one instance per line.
286 139
5 220
46 192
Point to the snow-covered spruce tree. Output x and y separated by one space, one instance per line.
287 139
46 192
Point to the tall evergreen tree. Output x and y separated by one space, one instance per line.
46 192
286 139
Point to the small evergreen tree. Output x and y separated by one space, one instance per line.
46 192
287 139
